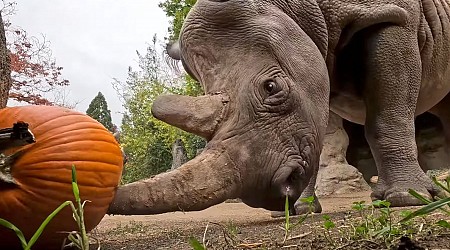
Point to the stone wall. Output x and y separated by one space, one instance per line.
335 175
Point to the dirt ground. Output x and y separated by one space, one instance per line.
237 226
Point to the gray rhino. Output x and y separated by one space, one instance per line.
272 70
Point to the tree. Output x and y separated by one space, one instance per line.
98 109
5 67
177 11
146 140
34 72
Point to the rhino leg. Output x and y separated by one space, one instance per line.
304 207
392 83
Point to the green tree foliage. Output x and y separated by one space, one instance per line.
177 11
98 109
146 140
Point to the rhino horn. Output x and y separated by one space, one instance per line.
182 189
198 115
173 50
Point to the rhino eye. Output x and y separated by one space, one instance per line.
270 87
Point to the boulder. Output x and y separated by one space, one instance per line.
335 175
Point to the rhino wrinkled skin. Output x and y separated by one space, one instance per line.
272 71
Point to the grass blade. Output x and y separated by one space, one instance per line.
438 183
75 240
286 214
427 209
419 196
45 223
19 233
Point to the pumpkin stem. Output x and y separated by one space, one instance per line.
5 167
18 135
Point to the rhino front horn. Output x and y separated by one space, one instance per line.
198 115
207 180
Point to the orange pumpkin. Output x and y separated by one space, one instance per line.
43 173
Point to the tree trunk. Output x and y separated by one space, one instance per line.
179 156
5 67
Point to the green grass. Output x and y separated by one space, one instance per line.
441 203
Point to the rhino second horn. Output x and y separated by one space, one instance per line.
173 50
198 115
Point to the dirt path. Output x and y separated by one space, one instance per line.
224 212
173 230
237 226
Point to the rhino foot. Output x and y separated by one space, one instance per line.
304 208
397 193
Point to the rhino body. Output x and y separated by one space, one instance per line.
272 70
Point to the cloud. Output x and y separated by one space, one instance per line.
94 40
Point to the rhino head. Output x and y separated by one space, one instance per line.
264 113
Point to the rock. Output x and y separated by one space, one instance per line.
335 175
340 179
374 179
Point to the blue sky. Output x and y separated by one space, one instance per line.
94 40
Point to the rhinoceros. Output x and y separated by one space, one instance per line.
272 70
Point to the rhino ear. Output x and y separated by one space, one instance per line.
173 50
198 115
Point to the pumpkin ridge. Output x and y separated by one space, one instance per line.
89 186
42 145
98 132
33 167
65 116
17 201
83 125
79 154
99 192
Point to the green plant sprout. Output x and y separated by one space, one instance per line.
288 226
195 244
328 225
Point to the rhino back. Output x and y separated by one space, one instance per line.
348 20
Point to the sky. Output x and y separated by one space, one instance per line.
94 41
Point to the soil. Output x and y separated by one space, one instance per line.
237 226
